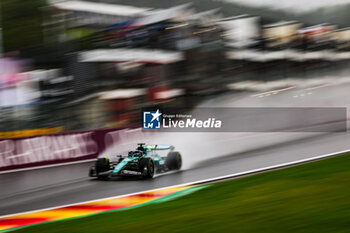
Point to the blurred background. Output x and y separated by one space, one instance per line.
80 65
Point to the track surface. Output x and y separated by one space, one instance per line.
49 187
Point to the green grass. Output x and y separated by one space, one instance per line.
313 197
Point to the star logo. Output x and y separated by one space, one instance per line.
151 120
156 115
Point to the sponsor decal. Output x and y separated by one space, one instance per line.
46 148
66 147
127 172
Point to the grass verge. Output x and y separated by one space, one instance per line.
313 197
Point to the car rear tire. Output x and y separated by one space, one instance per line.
147 168
102 165
173 161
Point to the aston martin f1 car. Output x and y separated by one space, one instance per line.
145 161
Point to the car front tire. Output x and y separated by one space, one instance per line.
147 168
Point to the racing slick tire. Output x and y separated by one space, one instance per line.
173 161
102 165
147 168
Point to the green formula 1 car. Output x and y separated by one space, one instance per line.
144 162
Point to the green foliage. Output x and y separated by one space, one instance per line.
21 21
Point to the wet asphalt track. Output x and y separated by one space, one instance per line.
49 187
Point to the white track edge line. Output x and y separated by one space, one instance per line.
192 183
46 166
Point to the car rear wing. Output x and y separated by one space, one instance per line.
160 147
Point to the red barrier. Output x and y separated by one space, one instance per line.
56 148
